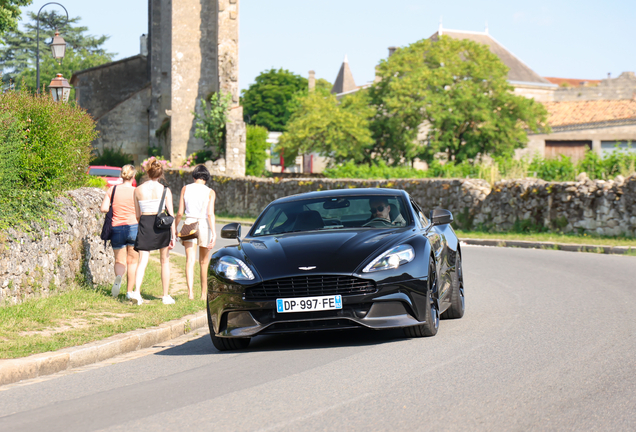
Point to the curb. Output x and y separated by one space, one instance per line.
14 370
616 250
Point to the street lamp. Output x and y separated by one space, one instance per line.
58 46
58 49
60 88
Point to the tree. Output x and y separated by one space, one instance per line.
18 53
256 150
210 124
10 13
457 89
267 102
339 131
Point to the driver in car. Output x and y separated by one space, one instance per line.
380 208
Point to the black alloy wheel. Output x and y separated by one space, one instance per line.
431 315
456 309
225 344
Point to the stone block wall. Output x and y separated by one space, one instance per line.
600 207
44 263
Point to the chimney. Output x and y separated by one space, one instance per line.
143 45
609 75
392 50
312 81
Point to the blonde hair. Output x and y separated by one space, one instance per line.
128 172
155 170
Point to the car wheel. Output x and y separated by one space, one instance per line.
225 344
431 315
456 309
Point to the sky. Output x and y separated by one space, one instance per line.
570 39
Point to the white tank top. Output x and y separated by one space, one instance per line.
151 205
197 198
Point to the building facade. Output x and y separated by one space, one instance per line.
149 100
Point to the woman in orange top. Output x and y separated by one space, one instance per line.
124 231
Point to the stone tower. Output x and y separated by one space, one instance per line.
193 53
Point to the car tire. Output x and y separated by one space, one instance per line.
458 304
225 344
431 315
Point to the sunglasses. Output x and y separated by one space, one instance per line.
377 209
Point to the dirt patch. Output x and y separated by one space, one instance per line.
177 277
78 323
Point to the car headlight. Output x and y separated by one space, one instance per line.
233 269
391 259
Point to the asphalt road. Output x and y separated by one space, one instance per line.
548 343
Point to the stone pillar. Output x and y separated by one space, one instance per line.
228 46
596 147
312 81
193 73
159 47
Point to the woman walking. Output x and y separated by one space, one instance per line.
197 201
148 197
124 230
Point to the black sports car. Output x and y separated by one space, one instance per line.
336 259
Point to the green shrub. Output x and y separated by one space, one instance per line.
44 151
380 170
97 182
111 157
256 150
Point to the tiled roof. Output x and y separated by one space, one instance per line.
572 82
518 70
593 111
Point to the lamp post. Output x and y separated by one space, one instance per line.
60 88
58 46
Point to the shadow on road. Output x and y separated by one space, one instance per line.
300 341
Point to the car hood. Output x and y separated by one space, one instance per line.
318 252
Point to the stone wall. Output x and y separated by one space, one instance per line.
600 207
125 127
44 263
100 89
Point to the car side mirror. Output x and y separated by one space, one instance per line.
441 217
231 231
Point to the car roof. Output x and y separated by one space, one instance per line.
342 192
104 166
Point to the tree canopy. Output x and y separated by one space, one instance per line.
337 130
18 50
449 96
10 13
268 102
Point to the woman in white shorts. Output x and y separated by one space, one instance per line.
197 202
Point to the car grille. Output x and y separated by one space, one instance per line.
308 286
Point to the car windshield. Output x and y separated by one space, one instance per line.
105 172
330 213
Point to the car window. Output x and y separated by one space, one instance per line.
420 214
331 213
105 172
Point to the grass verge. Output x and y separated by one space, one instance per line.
551 237
84 315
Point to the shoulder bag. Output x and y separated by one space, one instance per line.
107 228
163 221
189 231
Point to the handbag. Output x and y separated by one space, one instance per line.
163 221
189 231
107 228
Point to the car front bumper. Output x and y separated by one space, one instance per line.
393 305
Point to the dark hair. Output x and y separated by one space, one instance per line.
200 172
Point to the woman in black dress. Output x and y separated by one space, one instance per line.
148 198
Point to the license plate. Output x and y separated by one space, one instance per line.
304 304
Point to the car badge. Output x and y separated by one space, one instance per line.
307 268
